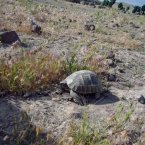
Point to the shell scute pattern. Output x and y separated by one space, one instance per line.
84 82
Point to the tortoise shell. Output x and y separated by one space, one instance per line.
84 82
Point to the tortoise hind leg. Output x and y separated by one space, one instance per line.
78 98
97 96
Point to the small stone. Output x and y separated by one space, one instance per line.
141 99
35 28
80 33
110 55
6 138
89 27
112 77
111 63
70 20
27 95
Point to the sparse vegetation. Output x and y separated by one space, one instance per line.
120 6
139 10
28 72
105 132
108 3
40 63
136 9
143 9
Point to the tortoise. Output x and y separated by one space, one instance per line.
82 85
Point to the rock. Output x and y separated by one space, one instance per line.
35 28
111 55
9 37
141 99
89 27
111 77
111 63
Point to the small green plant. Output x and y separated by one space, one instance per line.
72 65
98 16
87 134
121 118
42 142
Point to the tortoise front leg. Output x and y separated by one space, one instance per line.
79 99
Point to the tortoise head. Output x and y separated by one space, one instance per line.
64 86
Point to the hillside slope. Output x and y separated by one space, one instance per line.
63 35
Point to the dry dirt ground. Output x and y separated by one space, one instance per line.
63 30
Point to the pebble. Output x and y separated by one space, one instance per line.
110 55
112 77
141 99
6 138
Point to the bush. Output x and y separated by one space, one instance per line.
29 72
136 9
127 8
111 3
108 3
143 9
120 6
105 3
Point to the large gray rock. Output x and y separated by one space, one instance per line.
9 37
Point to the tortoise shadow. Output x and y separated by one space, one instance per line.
106 98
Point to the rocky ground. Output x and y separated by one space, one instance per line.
63 30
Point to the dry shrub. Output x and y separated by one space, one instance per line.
29 72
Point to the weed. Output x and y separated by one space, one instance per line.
99 134
72 65
29 72
42 142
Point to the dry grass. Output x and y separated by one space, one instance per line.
29 72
